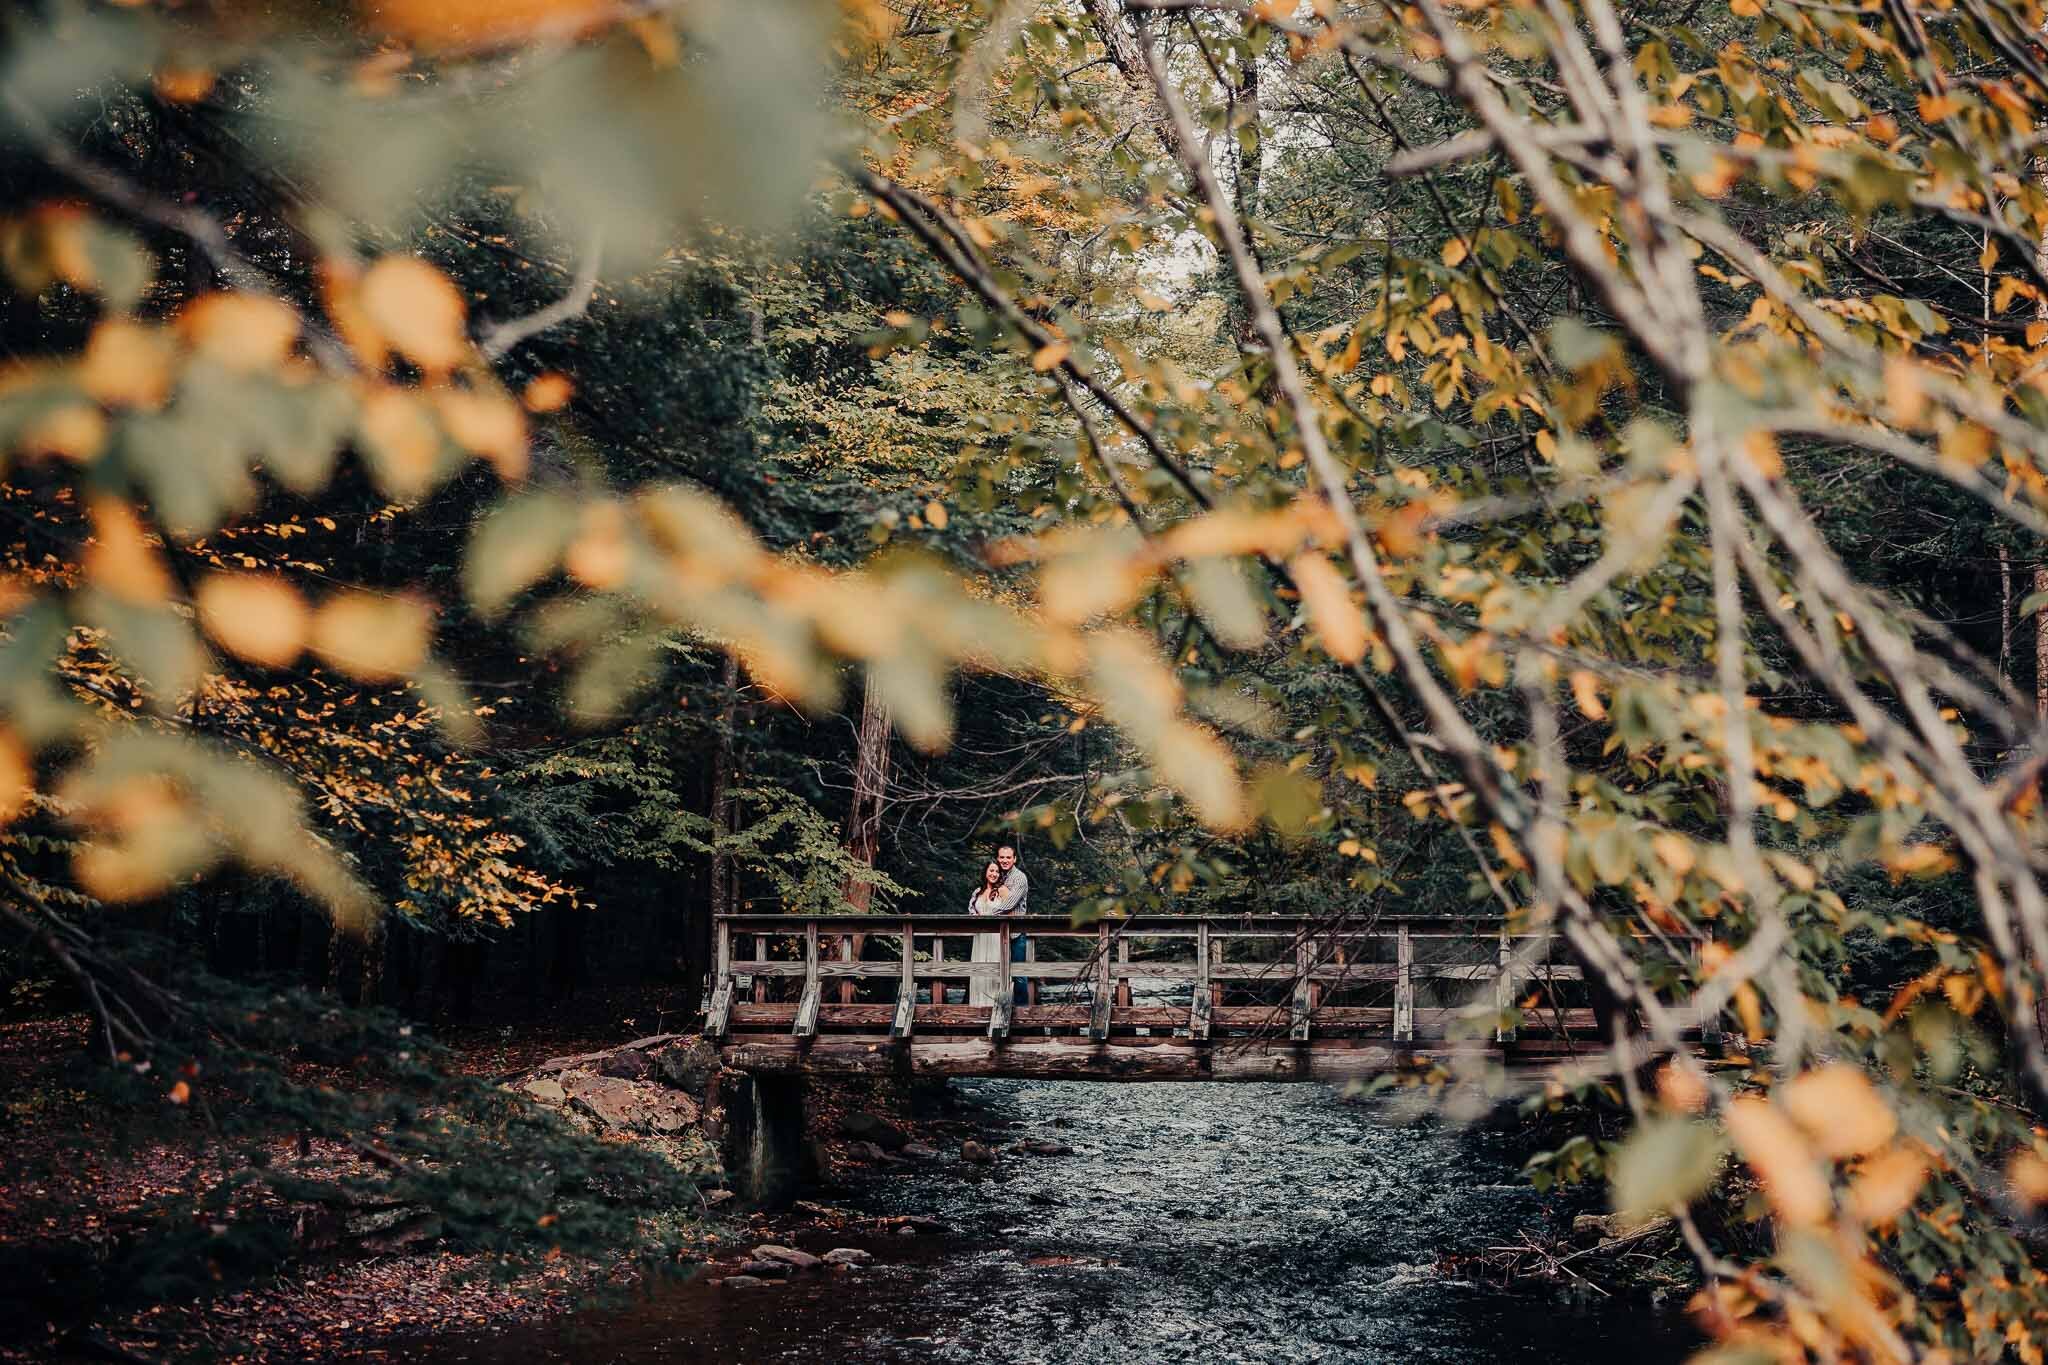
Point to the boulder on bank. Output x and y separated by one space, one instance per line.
622 1094
547 1090
787 1256
625 1105
848 1256
688 1064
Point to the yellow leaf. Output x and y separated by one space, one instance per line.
1674 851
1049 356
1935 108
418 311
600 555
1680 1088
184 85
1840 1110
402 442
1762 449
240 332
2027 1174
126 364
120 560
1966 444
1778 1154
485 422
1903 393
548 392
1919 860
1339 625
935 513
1504 847
1988 257
371 636
1586 694
70 431
256 616
17 774
1455 252
1886 1185
470 24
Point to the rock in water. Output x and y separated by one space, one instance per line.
789 1256
873 1128
744 1282
920 1151
766 1270
848 1256
977 1152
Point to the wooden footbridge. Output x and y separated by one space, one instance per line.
1166 998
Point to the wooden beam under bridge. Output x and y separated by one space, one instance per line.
1081 1060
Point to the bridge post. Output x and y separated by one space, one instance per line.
938 982
1304 998
1504 986
760 981
1098 1009
999 1007
906 990
1198 999
1123 983
807 1005
720 1009
1404 986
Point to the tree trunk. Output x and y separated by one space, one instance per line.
870 794
1121 44
718 898
2041 646
722 784
2004 613
1247 162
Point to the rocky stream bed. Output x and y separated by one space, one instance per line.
1064 1221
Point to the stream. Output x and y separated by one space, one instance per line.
1191 1222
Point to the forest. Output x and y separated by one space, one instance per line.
493 486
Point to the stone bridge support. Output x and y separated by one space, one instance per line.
767 1158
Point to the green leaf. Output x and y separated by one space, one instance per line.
1224 599
1666 1161
517 545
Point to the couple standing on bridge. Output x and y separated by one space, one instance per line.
1004 890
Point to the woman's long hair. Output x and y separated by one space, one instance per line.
991 881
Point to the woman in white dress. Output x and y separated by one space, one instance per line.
982 990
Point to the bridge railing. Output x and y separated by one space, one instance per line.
1384 977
